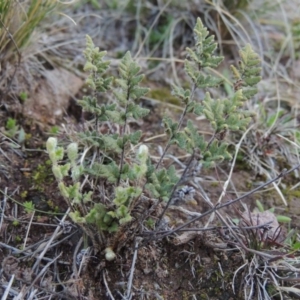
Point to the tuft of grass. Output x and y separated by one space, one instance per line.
18 22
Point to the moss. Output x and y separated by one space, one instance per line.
291 193
18 239
164 95
24 194
28 136
52 206
185 295
42 175
15 223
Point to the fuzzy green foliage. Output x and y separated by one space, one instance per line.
128 175
96 66
161 182
123 199
11 128
28 207
126 94
247 74
129 84
71 192
114 170
296 37
223 114
14 131
99 216
202 55
226 114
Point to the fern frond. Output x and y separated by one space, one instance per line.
247 74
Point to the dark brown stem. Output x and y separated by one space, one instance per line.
122 135
178 127
175 187
19 59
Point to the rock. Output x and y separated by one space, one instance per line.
50 95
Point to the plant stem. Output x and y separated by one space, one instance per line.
122 134
175 187
178 127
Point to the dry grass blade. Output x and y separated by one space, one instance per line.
3 207
20 20
54 235
291 289
7 290
41 273
129 284
107 287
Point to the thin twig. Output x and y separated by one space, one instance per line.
259 226
43 271
175 188
4 205
4 297
107 288
28 229
123 132
237 149
50 241
129 285
75 271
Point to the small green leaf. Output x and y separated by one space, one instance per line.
259 206
75 216
29 207
283 219
296 246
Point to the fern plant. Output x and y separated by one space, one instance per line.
119 168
